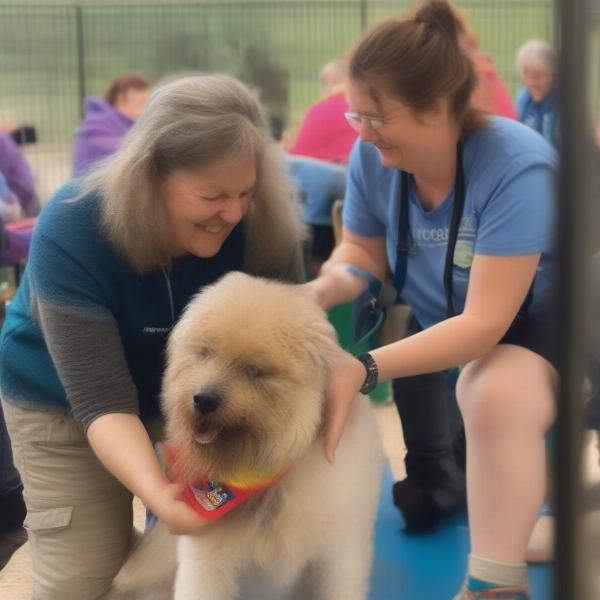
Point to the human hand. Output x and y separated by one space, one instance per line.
171 507
346 379
313 290
334 285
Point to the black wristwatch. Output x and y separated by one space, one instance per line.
372 376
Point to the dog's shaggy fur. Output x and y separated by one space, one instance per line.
264 351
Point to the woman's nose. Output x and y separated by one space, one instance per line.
233 209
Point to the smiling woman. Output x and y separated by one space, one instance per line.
204 205
196 190
458 206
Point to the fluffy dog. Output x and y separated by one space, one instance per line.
243 399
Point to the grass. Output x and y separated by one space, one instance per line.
39 45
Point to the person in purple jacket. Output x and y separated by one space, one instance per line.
18 176
18 198
107 120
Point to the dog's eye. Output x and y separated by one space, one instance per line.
255 372
204 352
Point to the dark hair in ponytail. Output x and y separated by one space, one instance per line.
420 59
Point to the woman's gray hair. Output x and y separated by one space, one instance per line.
538 55
188 122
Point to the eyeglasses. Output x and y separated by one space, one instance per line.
355 121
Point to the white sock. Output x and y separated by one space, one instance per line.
502 574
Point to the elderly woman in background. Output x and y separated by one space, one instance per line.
537 101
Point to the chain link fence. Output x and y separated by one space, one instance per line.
53 55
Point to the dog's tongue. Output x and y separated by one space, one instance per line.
207 435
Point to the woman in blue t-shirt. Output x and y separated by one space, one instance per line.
459 207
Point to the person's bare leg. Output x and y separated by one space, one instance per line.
507 403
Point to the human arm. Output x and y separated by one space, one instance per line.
121 443
87 353
336 284
71 302
515 225
497 288
363 236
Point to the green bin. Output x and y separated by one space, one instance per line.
341 318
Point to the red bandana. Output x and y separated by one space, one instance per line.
213 499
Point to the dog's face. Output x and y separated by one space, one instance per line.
246 368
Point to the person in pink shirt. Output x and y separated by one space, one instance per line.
500 102
491 94
325 133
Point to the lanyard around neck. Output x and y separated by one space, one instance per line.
404 238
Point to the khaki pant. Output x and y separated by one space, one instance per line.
79 517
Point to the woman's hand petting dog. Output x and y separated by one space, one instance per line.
347 375
172 508
346 379
335 285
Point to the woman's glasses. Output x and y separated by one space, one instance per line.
355 121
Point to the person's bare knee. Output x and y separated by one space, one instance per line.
511 388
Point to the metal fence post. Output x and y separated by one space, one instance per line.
364 17
80 57
574 204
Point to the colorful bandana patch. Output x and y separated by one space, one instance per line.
215 495
212 499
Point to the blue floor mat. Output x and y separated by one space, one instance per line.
427 567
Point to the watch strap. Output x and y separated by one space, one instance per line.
372 372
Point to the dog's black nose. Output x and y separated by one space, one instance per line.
206 402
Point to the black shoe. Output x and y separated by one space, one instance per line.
433 491
9 543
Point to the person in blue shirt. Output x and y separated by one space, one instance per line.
470 199
197 189
537 101
320 184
